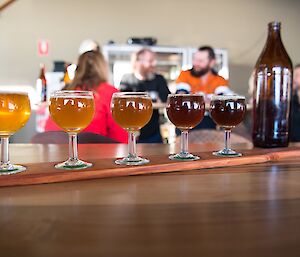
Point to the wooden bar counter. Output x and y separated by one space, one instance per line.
254 211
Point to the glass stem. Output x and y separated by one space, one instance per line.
184 141
227 140
131 145
4 151
73 152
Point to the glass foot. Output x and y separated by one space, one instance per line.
227 153
12 169
132 161
73 165
184 157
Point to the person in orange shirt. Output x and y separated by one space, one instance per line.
202 77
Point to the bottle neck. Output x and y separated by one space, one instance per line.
274 53
42 72
274 34
274 48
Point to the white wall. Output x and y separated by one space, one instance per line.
238 25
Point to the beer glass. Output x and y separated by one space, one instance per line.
185 111
72 111
131 111
14 113
227 111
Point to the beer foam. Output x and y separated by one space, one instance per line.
182 94
131 95
72 94
13 92
228 97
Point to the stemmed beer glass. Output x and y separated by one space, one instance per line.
132 111
227 111
14 113
72 111
185 111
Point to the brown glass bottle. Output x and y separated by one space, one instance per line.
272 93
42 84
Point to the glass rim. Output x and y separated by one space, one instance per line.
131 94
183 94
228 97
72 93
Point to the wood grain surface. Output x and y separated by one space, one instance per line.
41 173
236 211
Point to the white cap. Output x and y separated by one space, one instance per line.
88 45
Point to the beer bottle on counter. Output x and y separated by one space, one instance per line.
66 78
272 93
41 84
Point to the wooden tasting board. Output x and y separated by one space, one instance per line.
40 173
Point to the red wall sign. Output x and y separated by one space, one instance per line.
43 47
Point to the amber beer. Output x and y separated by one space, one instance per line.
185 111
14 112
131 112
228 111
72 113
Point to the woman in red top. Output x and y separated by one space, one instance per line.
92 74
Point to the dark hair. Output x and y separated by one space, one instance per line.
210 50
91 70
297 66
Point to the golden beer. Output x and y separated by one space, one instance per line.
72 113
131 112
14 112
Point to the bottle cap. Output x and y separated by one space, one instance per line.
274 25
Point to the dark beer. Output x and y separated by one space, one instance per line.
272 93
228 111
185 111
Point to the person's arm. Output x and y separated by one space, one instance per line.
115 131
125 85
163 89
182 78
182 83
223 88
223 81
51 125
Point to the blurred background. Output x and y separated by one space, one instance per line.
237 27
